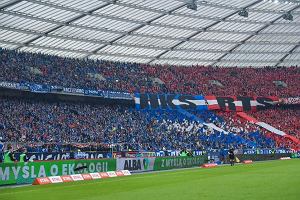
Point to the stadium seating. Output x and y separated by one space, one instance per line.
283 119
290 124
286 120
41 122
37 68
79 123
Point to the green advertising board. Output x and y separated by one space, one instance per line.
164 163
295 155
20 173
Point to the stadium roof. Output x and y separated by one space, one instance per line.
155 31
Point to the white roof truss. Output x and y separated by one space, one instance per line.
155 31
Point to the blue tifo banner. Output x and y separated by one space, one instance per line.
170 102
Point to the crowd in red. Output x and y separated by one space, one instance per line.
286 120
228 81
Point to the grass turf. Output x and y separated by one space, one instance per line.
265 180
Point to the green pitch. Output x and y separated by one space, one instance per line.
266 181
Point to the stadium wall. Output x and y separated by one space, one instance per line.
262 157
147 100
62 97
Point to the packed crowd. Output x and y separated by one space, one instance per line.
34 122
66 123
45 69
286 120
250 133
233 123
283 119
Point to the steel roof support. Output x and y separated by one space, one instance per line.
141 35
289 53
203 30
62 25
257 32
10 4
137 28
128 45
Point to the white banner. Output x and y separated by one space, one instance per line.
135 164
271 128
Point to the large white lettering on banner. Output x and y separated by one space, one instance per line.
135 164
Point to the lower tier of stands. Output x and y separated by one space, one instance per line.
35 123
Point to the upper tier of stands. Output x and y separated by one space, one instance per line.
45 69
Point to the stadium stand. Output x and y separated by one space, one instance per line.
236 122
205 91
45 69
83 123
286 120
59 123
290 124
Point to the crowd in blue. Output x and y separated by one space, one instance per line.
35 123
